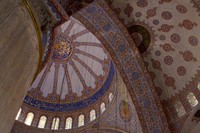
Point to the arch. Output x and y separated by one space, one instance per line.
192 99
68 123
129 63
110 97
18 114
29 118
55 123
102 107
81 120
42 122
92 115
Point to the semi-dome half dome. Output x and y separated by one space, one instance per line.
79 71
77 79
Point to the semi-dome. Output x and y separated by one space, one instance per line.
78 73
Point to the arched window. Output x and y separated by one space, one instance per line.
103 107
110 97
81 120
29 119
180 109
192 99
18 114
55 123
92 115
68 124
42 122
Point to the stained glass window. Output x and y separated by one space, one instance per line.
92 115
42 122
55 123
192 99
68 124
29 119
103 107
81 120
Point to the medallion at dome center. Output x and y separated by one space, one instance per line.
62 50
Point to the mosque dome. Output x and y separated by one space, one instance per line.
77 77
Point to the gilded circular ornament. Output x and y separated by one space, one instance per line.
125 111
62 49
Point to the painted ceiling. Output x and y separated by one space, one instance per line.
79 71
172 54
63 85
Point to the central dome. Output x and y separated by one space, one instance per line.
79 71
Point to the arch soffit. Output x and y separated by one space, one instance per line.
116 40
